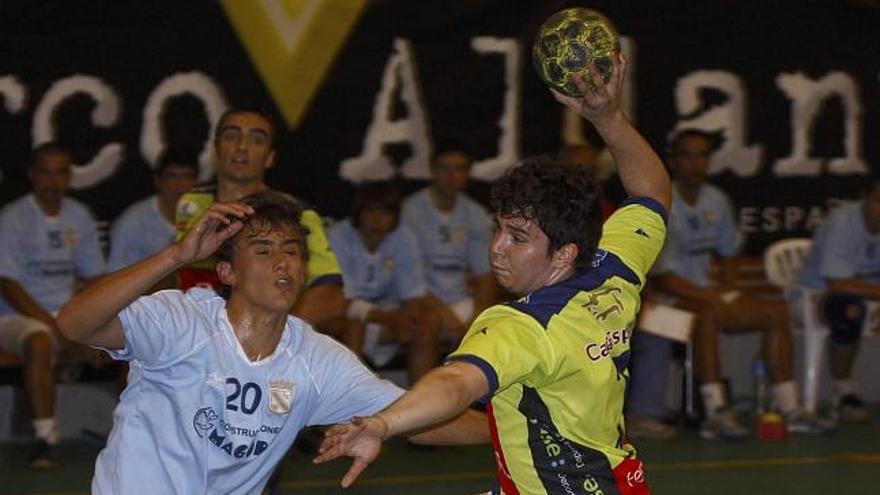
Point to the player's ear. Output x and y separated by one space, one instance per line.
270 160
566 255
225 273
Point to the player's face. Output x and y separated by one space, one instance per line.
268 269
518 255
451 171
174 181
243 145
691 160
50 176
375 224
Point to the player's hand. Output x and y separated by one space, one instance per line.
599 100
219 222
360 440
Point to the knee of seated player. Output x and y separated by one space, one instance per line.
845 315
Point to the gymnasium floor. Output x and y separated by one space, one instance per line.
847 463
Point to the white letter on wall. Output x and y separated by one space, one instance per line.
106 113
729 119
508 143
198 85
14 94
807 96
372 164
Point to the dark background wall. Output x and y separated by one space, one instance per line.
133 45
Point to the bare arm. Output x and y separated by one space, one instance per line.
22 302
855 287
439 396
469 428
91 316
320 304
640 169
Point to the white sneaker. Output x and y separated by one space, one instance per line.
801 421
723 425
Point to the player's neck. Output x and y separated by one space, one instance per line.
49 208
229 191
688 192
166 209
256 329
442 201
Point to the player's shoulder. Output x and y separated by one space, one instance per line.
714 193
76 209
641 207
310 344
143 207
415 200
14 208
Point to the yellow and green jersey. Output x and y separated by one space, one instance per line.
556 361
322 266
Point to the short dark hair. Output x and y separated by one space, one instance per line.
562 198
176 157
262 112
382 195
691 132
273 211
48 148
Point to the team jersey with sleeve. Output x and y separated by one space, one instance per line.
387 277
45 254
198 416
453 245
139 232
696 232
842 248
322 266
556 362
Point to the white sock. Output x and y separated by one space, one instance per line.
713 397
843 387
47 430
785 396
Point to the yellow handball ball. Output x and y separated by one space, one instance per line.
568 42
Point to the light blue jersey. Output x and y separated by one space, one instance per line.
842 248
199 417
696 233
45 254
453 245
139 232
387 277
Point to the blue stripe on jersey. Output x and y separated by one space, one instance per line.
485 367
548 301
330 278
575 466
649 203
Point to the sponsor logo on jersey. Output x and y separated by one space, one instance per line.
613 338
280 396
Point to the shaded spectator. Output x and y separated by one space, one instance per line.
384 283
453 232
702 227
147 226
844 261
48 243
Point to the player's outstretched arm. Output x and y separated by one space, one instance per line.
442 394
640 169
91 316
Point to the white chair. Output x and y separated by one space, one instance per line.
782 262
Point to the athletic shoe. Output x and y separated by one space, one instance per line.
851 409
648 427
42 456
723 425
801 421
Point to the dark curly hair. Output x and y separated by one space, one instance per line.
562 198
273 211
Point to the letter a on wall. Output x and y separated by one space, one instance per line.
293 44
